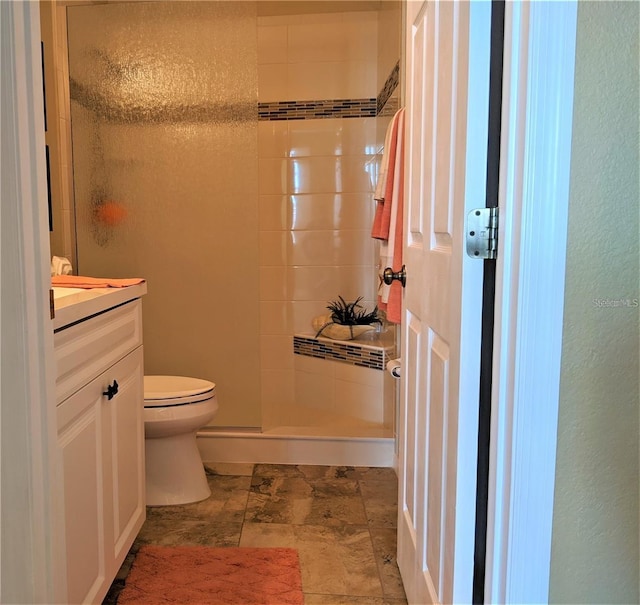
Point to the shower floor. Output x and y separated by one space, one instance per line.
305 421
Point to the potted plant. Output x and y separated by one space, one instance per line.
347 320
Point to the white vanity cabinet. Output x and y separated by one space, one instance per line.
100 399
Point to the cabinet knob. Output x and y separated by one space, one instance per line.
112 390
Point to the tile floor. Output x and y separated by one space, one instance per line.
342 520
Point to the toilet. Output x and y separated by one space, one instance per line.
175 407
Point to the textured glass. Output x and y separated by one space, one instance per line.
164 122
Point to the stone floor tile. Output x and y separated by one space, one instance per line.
276 470
333 560
373 473
323 599
226 504
301 500
384 549
237 469
380 503
168 532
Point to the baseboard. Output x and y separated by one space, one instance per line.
265 448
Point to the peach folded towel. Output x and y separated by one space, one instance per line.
78 281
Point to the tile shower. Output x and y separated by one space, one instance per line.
256 223
320 94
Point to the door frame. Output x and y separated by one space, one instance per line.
30 512
533 204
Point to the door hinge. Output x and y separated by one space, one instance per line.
482 233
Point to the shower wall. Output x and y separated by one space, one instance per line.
164 125
318 161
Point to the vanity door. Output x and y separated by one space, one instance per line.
81 437
101 448
123 460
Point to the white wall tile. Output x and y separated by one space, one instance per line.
330 211
314 391
389 39
310 283
360 80
273 139
358 136
360 31
272 44
313 18
273 212
314 365
272 20
367 376
277 387
312 81
303 312
355 281
332 136
273 283
317 42
329 174
330 248
272 176
273 247
275 318
272 82
359 400
276 352
390 397
315 137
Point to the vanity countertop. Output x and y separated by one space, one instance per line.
75 304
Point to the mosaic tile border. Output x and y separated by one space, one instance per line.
364 356
308 110
335 108
388 89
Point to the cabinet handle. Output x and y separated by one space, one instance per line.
112 390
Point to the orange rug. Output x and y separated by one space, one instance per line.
201 575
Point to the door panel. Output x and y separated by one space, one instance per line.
436 566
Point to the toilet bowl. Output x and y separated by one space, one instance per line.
175 407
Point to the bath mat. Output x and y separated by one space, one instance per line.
202 575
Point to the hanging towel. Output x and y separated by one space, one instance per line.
78 281
388 220
384 186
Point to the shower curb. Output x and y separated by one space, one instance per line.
266 448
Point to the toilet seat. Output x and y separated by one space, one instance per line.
167 391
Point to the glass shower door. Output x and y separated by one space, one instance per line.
164 134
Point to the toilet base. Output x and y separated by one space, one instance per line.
174 471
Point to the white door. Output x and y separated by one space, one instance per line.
447 54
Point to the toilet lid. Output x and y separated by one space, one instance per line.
175 390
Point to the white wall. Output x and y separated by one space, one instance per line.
595 528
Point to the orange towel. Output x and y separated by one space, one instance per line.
78 281
388 220
394 303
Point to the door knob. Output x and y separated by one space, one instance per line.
388 276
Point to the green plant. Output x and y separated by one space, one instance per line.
352 313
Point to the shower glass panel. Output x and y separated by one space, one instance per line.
164 133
